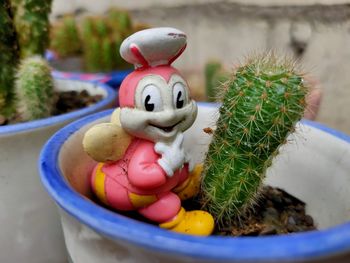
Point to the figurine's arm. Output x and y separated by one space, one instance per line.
143 170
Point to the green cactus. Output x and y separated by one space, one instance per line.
9 56
214 77
101 41
92 54
120 20
65 39
261 105
91 30
119 61
101 27
32 25
87 28
107 50
23 31
34 89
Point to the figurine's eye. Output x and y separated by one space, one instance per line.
179 95
151 98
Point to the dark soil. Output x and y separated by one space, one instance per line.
277 212
73 100
67 101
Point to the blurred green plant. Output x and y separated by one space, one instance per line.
65 37
23 33
32 25
96 38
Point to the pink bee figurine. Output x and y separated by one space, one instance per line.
143 165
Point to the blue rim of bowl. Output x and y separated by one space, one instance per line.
113 78
307 245
37 124
117 77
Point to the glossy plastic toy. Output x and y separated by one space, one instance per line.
142 162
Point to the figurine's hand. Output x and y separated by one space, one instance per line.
173 155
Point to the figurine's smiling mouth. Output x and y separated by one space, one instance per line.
167 128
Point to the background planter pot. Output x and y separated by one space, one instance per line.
72 68
30 229
112 79
314 168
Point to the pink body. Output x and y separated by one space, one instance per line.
139 173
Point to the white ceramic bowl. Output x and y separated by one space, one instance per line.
314 168
30 229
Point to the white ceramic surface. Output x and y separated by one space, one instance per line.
30 230
314 167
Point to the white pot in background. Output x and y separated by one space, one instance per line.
314 168
30 230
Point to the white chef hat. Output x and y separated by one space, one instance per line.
153 47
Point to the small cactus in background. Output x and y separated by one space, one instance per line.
97 39
65 39
91 46
214 77
9 57
120 20
261 105
34 89
101 40
94 31
107 49
32 25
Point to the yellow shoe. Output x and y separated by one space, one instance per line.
190 187
197 222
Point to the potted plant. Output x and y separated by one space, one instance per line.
87 47
92 231
31 231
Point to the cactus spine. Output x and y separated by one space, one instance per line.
9 56
34 89
261 106
32 25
